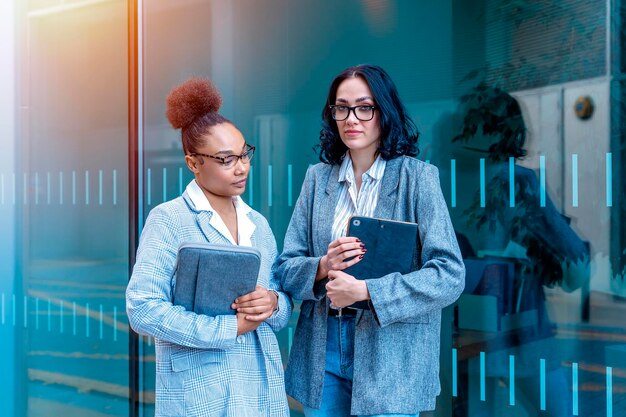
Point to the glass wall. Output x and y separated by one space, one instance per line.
520 105
64 312
537 329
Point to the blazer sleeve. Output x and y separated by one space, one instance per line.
297 266
149 293
441 279
280 318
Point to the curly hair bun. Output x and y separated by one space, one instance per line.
192 99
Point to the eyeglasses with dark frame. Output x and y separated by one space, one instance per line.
340 112
230 160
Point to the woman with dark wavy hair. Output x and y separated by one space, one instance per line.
383 360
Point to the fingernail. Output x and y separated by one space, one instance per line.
358 240
360 256
364 250
362 245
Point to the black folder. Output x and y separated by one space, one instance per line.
209 277
391 246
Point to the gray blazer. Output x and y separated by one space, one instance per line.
396 356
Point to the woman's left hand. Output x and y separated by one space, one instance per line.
258 305
344 290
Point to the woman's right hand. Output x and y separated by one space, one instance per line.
338 251
244 325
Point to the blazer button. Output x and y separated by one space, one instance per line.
240 339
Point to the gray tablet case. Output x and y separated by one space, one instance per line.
209 277
390 246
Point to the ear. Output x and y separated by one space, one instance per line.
192 164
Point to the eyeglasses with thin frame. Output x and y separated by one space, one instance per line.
230 160
340 112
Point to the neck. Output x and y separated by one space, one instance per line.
362 161
221 204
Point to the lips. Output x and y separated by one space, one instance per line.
352 132
241 183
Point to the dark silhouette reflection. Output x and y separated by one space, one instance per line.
523 245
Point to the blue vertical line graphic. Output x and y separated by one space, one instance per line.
74 318
453 182
542 384
251 186
574 180
164 184
115 323
101 325
149 186
542 180
61 188
609 179
73 187
25 188
49 186
37 313
25 312
149 341
86 188
511 182
36 188
289 185
454 373
575 388
13 309
114 187
290 337
100 187
49 315
269 185
87 319
482 376
609 391
482 182
3 309
180 180
2 188
61 316
511 380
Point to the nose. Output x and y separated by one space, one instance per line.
352 119
241 166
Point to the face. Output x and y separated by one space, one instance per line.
215 180
358 135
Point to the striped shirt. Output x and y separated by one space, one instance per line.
352 202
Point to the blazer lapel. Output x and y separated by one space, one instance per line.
203 219
389 189
325 211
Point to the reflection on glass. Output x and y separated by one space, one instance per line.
70 190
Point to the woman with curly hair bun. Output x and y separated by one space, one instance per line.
383 360
226 365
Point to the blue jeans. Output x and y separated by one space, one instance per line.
337 393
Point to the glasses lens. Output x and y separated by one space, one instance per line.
229 161
364 113
247 156
340 112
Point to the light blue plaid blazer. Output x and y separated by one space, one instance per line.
396 354
201 363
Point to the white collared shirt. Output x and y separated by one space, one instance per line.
351 203
245 226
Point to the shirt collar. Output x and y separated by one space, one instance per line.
346 171
245 225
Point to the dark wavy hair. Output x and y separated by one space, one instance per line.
398 133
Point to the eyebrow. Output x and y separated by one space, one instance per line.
230 152
358 100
